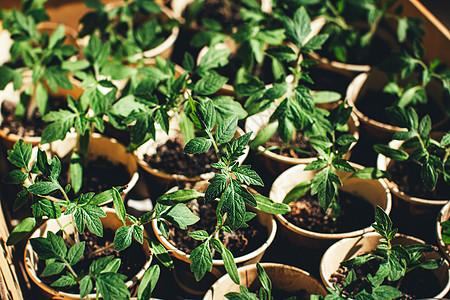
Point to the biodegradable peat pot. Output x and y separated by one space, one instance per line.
182 273
373 191
100 146
164 49
276 163
346 68
283 277
444 215
111 221
163 180
414 215
351 247
375 81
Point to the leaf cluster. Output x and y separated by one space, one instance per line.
395 262
418 146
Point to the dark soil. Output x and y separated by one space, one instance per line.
374 103
99 175
417 284
299 141
326 80
133 258
281 295
240 242
307 213
24 127
407 176
170 159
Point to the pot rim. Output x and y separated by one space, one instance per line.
327 236
37 281
443 215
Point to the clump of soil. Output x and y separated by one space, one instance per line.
170 159
407 177
99 175
24 127
299 140
225 12
417 284
240 242
307 213
133 258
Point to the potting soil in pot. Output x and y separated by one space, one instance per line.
240 242
407 177
170 159
418 283
132 259
299 141
282 295
24 127
225 12
307 213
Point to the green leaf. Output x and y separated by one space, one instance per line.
425 126
247 176
318 164
41 98
43 188
233 206
315 43
386 292
181 216
20 155
62 121
112 286
325 185
161 253
264 135
101 198
267 205
15 177
402 28
138 233
383 224
216 187
225 131
197 145
370 173
76 172
199 235
264 279
148 283
86 286
297 191
342 165
65 280
123 238
201 260
209 84
89 215
431 264
326 96
75 253
119 206
214 58
429 175
445 141
395 154
53 269
21 231
298 28
180 196
230 265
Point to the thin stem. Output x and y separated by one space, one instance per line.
70 269
69 239
92 254
216 148
33 104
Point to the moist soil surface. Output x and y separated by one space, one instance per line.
278 294
169 158
417 284
307 213
24 127
240 242
407 177
99 175
374 103
300 141
133 258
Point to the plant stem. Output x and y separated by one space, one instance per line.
91 255
69 239
32 104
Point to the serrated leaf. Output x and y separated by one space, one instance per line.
197 145
216 187
86 286
209 84
180 196
53 269
123 238
247 176
395 154
181 216
201 260
15 177
21 231
119 206
112 286
148 283
225 131
161 253
199 235
43 188
20 155
75 253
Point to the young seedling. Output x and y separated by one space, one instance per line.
117 24
402 66
332 150
39 181
38 55
395 262
225 188
430 155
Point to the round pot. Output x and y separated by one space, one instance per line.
283 277
349 69
444 215
352 247
111 221
376 81
164 49
100 146
276 163
165 180
373 191
182 273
